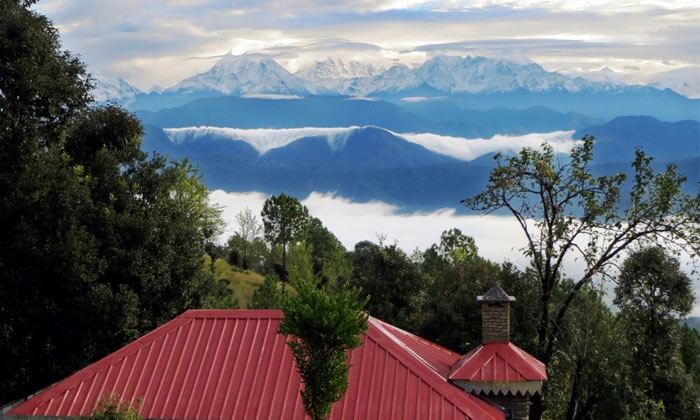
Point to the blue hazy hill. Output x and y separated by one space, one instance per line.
606 104
310 111
371 164
440 117
453 119
616 140
693 321
365 148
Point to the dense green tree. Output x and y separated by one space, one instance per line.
652 286
565 212
394 284
285 221
267 295
589 374
652 293
99 244
323 329
41 88
690 352
457 275
327 255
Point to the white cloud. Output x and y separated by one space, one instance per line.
265 139
469 149
153 42
499 238
262 139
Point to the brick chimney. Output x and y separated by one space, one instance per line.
498 370
495 315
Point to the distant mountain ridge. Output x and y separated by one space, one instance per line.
440 117
413 171
474 82
260 74
369 163
617 139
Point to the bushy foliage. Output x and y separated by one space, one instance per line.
267 295
652 294
285 221
111 407
394 285
322 329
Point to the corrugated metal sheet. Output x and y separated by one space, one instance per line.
498 362
232 364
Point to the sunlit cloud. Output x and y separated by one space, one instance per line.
152 42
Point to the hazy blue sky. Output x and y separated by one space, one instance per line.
161 42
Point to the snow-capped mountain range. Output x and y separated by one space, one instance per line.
257 74
476 83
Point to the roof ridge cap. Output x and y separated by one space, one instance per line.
443 385
395 340
234 313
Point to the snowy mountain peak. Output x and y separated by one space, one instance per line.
480 74
242 75
119 90
336 68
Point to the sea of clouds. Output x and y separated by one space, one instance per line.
498 238
265 139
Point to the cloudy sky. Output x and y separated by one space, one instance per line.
161 42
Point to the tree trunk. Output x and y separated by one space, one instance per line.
575 393
284 269
536 407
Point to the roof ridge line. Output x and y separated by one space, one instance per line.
403 346
449 391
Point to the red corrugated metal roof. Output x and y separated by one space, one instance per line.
232 364
498 362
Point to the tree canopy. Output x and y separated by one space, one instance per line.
564 211
285 221
100 244
323 328
653 294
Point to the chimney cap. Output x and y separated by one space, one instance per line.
495 294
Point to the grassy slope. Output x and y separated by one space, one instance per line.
242 282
